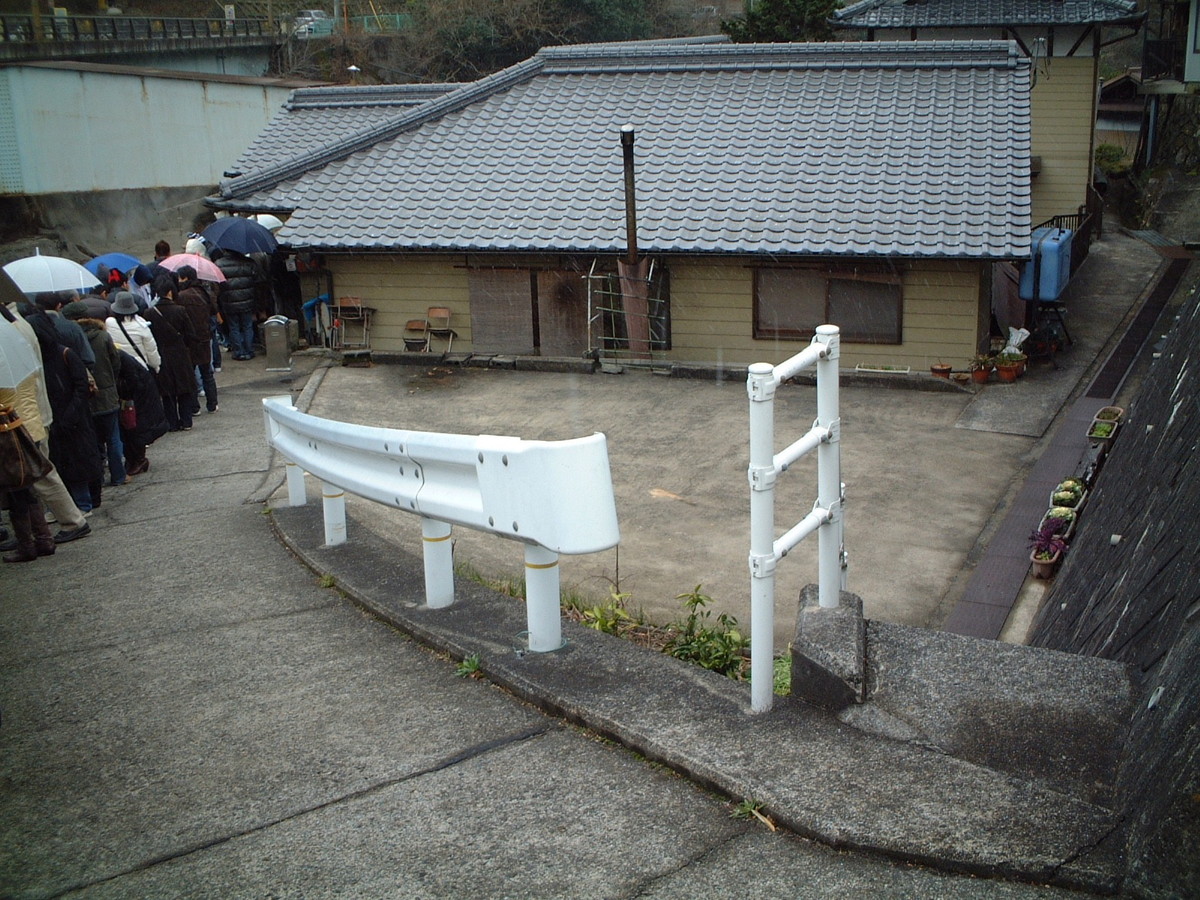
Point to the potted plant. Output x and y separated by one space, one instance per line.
1102 432
1110 414
1061 519
1009 366
981 367
941 370
1070 492
1047 546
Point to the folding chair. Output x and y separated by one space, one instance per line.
438 326
416 335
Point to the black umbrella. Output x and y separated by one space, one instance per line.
239 235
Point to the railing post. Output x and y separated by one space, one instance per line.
541 599
333 500
760 385
829 470
439 563
297 494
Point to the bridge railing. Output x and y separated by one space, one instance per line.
25 29
552 496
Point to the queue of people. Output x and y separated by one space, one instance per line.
120 367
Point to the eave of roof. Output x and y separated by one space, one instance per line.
985 13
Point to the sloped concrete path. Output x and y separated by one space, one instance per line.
186 712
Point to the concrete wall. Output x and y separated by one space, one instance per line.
945 311
68 129
1136 599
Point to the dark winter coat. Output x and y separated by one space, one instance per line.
73 447
137 383
199 305
174 334
243 281
108 362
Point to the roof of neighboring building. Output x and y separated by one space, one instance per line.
318 116
907 149
984 13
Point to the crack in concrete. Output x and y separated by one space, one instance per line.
643 887
472 752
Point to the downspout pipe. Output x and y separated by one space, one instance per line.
631 247
634 273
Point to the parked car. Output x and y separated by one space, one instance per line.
313 21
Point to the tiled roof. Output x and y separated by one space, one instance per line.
984 13
908 149
318 116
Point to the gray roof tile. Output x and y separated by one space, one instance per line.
984 13
319 116
859 149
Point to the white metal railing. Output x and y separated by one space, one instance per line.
826 517
552 496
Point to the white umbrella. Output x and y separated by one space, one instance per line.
17 361
268 221
38 273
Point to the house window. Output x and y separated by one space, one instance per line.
864 302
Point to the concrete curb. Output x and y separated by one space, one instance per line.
817 776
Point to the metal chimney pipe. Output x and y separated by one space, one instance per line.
631 252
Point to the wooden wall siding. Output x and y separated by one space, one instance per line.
402 288
1063 110
712 315
712 318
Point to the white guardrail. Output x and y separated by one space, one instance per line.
826 516
553 496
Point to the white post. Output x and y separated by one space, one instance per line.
333 500
760 385
541 599
829 470
297 495
439 563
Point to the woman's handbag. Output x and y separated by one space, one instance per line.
21 462
128 415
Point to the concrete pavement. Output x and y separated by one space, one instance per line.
188 712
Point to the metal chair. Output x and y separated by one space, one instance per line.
437 321
416 335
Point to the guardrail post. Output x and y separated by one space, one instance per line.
829 470
439 563
333 500
760 386
297 494
542 599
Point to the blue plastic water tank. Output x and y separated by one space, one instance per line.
1050 255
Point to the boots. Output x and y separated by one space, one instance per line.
43 538
26 545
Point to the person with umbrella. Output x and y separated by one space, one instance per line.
33 406
174 334
239 299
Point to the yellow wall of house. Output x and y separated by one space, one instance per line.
1063 111
945 310
400 288
945 318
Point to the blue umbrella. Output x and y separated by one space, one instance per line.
122 261
239 235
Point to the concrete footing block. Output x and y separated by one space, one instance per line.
829 652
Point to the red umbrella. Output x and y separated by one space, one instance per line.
206 269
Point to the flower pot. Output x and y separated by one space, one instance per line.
941 370
1102 431
1007 372
1077 505
1066 532
1044 568
1109 414
981 376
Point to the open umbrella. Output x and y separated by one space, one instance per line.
17 361
206 269
38 273
122 261
268 221
240 235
